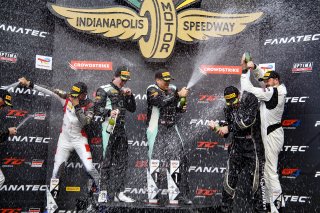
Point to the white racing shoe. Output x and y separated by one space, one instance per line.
121 197
103 197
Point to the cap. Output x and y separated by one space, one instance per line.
123 72
78 88
164 75
231 95
270 74
6 97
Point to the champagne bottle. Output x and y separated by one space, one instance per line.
183 101
216 128
111 124
247 57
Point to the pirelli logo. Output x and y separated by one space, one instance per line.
73 188
157 26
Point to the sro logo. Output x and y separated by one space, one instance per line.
317 124
13 161
317 174
205 192
16 210
16 113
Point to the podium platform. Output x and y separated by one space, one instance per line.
147 208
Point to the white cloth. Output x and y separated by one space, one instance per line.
2 178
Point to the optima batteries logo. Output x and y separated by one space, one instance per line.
8 57
157 26
302 67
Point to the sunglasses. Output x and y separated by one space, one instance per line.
230 103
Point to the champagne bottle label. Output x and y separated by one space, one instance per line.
111 125
183 101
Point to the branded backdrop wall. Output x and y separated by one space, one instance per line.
36 43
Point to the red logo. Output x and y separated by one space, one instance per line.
43 60
287 172
206 192
17 113
91 65
207 98
206 145
7 210
142 117
221 69
40 116
34 210
96 140
289 122
13 161
141 164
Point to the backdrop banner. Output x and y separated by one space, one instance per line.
58 43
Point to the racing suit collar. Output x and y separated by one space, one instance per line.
115 86
84 102
165 91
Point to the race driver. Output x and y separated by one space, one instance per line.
272 99
241 179
165 142
78 113
113 100
5 132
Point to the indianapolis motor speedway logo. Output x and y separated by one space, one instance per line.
157 26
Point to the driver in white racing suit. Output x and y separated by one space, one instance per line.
272 100
78 113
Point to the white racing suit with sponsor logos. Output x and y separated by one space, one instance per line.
73 135
272 101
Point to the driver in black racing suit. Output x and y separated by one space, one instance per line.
246 153
114 100
165 143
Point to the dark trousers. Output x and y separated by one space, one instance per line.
115 163
168 145
241 178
